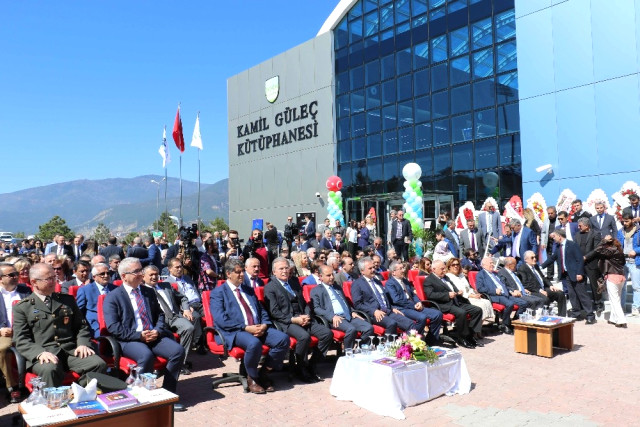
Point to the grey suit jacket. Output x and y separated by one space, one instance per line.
465 241
494 219
608 225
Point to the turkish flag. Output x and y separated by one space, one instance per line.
178 138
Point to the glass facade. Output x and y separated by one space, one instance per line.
433 82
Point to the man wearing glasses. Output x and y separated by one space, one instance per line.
88 295
134 317
539 285
51 333
11 291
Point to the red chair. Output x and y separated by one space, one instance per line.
221 351
385 275
301 279
412 274
498 309
116 359
73 291
346 289
220 282
384 283
117 282
472 279
58 288
447 318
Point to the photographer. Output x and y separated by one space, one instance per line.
255 249
185 250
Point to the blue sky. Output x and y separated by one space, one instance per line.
86 86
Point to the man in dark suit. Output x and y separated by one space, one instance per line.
289 311
453 238
81 271
112 249
134 317
588 239
51 333
62 249
570 228
368 295
522 240
87 298
576 205
489 221
571 265
515 285
11 292
177 313
404 298
602 222
328 301
347 273
309 227
138 251
251 273
502 246
401 235
487 282
78 246
325 242
536 283
378 249
154 256
472 238
243 323
550 223
187 288
634 209
438 288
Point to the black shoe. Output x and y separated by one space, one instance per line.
506 330
179 407
599 311
185 371
474 342
590 321
618 325
201 350
464 343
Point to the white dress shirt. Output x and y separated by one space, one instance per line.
134 305
244 296
9 298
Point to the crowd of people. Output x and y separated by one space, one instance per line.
359 280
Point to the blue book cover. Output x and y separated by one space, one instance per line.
87 409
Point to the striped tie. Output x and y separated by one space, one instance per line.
142 310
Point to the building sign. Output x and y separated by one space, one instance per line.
272 89
289 125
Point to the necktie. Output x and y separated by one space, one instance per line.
105 290
518 282
59 249
288 288
562 258
142 310
450 284
343 304
473 240
515 250
254 284
600 218
245 308
47 302
538 277
499 284
378 296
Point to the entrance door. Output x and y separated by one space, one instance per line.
434 205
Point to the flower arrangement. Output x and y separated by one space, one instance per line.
621 198
489 204
513 209
539 207
411 346
466 212
597 196
565 200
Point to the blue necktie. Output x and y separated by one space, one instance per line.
288 288
378 296
345 309
142 310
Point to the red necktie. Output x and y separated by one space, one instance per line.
142 310
245 308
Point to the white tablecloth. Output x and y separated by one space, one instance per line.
386 391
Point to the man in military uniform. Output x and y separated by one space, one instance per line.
51 333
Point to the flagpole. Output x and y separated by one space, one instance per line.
180 189
166 213
198 180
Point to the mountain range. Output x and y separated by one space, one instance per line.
122 204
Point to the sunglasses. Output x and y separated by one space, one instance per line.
10 275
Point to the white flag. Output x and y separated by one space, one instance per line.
164 149
196 140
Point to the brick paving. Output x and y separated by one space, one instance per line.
595 384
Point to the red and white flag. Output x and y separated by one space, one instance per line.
178 138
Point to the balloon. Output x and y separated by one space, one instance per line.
331 194
411 170
339 194
334 183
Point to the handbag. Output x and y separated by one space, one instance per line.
601 285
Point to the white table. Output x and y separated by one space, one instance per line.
386 391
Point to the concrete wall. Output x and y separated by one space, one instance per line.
282 180
578 64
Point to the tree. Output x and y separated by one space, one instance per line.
167 226
19 235
101 234
129 237
55 225
218 224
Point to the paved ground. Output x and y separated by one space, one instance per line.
596 384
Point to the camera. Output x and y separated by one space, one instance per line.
235 242
317 194
187 234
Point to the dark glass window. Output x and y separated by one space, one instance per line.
461 99
357 101
421 55
402 11
486 154
439 76
404 87
386 16
357 125
418 7
422 109
372 72
483 63
374 145
388 67
481 34
421 82
465 186
485 123
373 96
405 138
359 149
357 77
342 82
441 132
438 49
483 94
463 157
355 30
425 159
373 121
344 151
460 70
389 92
341 35
508 118
459 41
374 175
509 150
507 87
455 5
390 141
342 105
389 117
392 176
343 128
403 59
356 54
405 113
505 25
371 23
423 135
461 128
440 104
506 56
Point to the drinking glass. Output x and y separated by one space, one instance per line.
357 349
348 352
34 390
150 381
53 398
40 399
131 379
66 394
372 347
139 382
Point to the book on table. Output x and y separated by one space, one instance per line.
87 409
117 400
390 362
550 320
